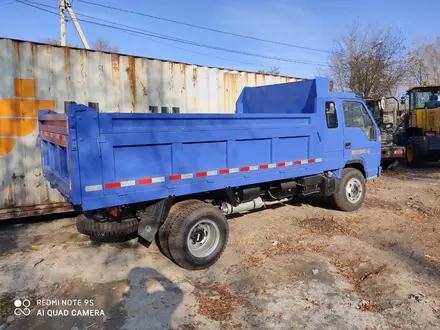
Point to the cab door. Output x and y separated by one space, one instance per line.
333 135
361 137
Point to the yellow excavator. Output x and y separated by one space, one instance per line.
420 133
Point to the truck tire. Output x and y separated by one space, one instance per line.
106 229
351 192
164 229
413 153
197 236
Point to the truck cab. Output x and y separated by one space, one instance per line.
352 135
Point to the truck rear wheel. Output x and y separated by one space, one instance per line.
164 229
413 153
351 192
106 230
197 235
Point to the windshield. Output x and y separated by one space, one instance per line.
419 99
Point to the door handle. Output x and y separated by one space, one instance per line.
348 145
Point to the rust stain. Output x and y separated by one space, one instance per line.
34 49
16 46
131 74
226 91
11 194
234 83
6 145
171 75
115 65
143 70
82 59
66 63
24 87
194 77
31 210
183 73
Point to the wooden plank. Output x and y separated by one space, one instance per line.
58 142
54 129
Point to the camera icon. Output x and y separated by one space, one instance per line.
22 307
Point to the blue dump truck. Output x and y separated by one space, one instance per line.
173 178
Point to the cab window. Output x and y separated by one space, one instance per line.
331 115
356 115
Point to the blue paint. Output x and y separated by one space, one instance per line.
274 124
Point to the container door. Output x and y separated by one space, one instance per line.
334 132
361 137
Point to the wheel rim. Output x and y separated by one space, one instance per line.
353 190
409 153
203 238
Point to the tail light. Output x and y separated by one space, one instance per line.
398 152
113 212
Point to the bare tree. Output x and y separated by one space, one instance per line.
273 70
369 62
49 41
424 61
104 45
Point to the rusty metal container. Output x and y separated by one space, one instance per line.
35 76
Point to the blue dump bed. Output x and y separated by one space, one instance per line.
99 160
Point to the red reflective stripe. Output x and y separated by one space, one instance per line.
201 174
297 162
244 169
264 166
113 185
175 177
224 171
145 181
311 161
281 164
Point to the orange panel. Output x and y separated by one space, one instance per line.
6 145
17 127
24 108
24 87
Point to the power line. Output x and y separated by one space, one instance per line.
203 27
166 37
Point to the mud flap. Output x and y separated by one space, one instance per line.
153 216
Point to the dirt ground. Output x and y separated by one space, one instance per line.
296 266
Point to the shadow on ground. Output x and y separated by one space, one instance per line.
145 300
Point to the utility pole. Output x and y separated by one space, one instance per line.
65 5
62 23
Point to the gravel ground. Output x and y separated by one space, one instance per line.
296 266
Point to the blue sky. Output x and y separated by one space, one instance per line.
312 23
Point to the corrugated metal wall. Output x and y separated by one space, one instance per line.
35 75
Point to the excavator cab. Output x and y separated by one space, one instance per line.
421 135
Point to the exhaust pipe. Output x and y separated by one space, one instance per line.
257 203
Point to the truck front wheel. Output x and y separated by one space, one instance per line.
197 235
351 192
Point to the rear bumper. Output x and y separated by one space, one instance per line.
391 153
